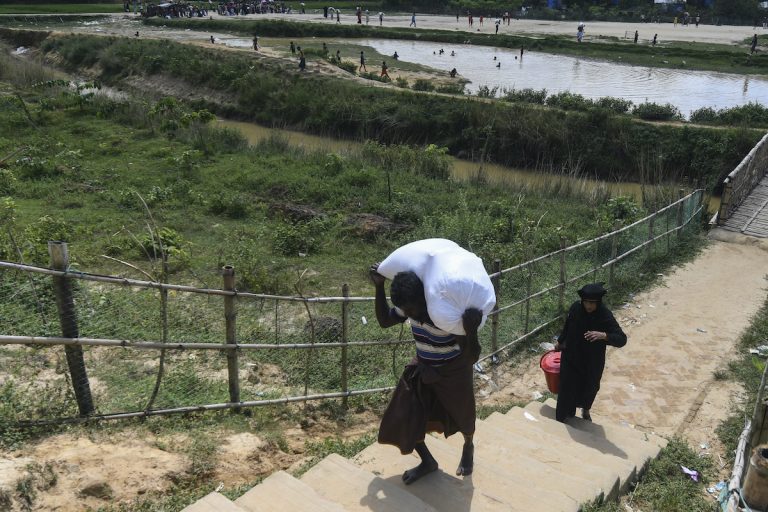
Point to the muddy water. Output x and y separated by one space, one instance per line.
687 90
461 169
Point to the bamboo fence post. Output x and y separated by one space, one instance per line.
65 304
495 317
596 261
679 213
528 286
561 299
614 252
649 247
344 339
230 318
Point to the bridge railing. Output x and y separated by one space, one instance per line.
135 348
742 180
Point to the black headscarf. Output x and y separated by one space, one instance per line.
593 291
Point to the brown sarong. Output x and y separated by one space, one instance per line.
430 399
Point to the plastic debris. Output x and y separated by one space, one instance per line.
478 368
21 50
704 446
546 346
715 489
536 395
632 387
364 320
699 329
761 350
651 306
691 473
529 416
495 359
220 486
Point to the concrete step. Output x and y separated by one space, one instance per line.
616 439
489 488
579 445
213 502
539 463
598 425
281 492
339 480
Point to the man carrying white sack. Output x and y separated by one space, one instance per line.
435 392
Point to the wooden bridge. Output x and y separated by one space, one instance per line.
744 205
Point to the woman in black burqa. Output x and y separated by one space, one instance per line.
589 328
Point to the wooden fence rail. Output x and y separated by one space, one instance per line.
538 278
742 180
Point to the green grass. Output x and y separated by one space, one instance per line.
62 8
665 487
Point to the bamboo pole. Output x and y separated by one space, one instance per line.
202 408
344 340
649 245
230 319
561 298
65 304
156 345
496 280
680 213
528 286
614 250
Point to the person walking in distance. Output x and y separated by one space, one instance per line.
435 392
362 63
589 328
384 68
413 20
636 36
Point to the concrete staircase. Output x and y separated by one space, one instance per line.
524 461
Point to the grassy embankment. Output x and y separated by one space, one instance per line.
594 143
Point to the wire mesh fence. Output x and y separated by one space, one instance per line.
111 347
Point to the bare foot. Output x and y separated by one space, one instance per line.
467 460
413 474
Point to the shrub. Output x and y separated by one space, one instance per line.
451 88
487 92
376 77
348 66
526 96
7 182
655 112
292 239
401 82
705 115
228 204
423 85
615 105
569 101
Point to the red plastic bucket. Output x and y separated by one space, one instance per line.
550 363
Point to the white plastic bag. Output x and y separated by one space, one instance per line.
454 280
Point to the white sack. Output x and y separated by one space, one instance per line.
414 257
454 280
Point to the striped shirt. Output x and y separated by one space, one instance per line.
433 345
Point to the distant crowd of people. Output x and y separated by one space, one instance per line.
191 10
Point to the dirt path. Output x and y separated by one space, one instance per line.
680 333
